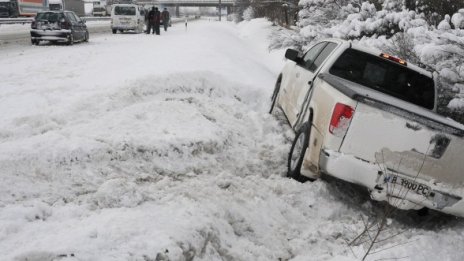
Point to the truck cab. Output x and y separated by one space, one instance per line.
8 8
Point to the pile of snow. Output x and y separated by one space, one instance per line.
142 147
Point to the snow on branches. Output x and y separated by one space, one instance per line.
389 26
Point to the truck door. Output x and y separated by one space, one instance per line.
306 72
293 89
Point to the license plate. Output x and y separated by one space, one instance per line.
409 185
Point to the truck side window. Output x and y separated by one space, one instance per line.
311 55
322 56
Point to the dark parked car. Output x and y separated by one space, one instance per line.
58 26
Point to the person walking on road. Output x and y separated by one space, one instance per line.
151 20
157 20
166 19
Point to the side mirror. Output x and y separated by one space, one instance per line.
83 21
292 55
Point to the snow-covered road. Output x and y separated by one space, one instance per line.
142 147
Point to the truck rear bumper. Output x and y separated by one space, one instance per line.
434 194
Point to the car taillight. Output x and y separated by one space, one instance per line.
341 118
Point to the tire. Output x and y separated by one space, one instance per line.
297 151
275 94
86 37
70 39
115 31
34 42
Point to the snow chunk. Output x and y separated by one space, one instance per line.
458 19
117 193
456 104
445 24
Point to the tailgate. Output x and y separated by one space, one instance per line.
406 143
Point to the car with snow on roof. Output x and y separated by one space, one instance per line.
369 118
58 26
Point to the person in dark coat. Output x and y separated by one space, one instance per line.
165 16
151 20
157 20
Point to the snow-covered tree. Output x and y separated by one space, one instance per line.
248 14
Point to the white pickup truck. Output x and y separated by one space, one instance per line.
369 118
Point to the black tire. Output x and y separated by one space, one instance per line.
115 31
297 151
70 39
34 42
86 37
275 93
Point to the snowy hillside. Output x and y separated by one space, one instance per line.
142 147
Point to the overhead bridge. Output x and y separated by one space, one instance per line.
228 4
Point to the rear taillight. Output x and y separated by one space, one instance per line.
341 118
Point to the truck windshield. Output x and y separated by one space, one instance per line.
385 76
124 10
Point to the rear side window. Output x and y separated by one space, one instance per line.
385 76
124 10
71 17
322 56
311 55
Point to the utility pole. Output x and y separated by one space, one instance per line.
220 10
286 13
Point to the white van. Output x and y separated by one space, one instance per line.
125 17
99 11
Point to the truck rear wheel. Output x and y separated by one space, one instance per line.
297 152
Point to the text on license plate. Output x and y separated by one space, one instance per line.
410 185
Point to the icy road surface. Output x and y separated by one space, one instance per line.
142 147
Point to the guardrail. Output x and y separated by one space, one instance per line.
28 20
